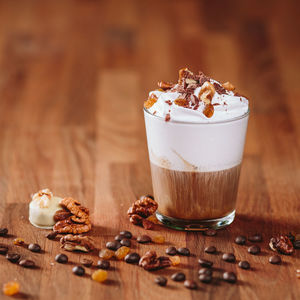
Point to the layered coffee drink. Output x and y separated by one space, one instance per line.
196 132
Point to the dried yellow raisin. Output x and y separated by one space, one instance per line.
11 288
153 219
122 252
175 260
19 241
158 239
99 275
106 254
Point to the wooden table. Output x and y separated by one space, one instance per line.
73 77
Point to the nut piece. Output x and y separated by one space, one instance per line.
76 243
136 219
61 214
181 102
67 226
143 207
150 101
151 262
228 86
165 85
207 92
281 244
81 213
208 110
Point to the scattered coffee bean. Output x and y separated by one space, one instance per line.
27 263
205 278
13 257
210 249
161 280
143 239
78 270
275 260
254 249
184 251
229 257
3 231
126 234
256 238
52 235
205 271
118 237
244 265
34 247
240 240
86 262
132 258
3 249
61 258
103 264
178 276
190 284
171 251
115 245
296 244
210 232
205 263
229 277
125 242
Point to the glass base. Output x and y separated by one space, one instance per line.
196 225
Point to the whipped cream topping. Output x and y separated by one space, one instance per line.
224 104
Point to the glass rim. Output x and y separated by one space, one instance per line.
246 114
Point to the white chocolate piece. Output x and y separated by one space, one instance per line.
42 209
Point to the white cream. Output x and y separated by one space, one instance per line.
228 107
42 209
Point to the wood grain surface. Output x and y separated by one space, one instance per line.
73 77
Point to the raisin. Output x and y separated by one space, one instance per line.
19 241
175 260
106 254
122 252
99 275
158 239
11 288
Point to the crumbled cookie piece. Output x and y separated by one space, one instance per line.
81 243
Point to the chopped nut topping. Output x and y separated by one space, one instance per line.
76 243
281 244
208 110
207 92
151 262
182 102
61 214
228 86
150 101
165 85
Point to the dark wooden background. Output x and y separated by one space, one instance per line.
73 77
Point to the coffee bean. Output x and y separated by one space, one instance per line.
78 270
27 263
205 271
205 278
132 258
205 263
275 260
34 247
229 257
190 284
256 238
210 232
13 257
240 240
148 196
143 239
125 242
126 234
103 264
184 251
52 235
210 249
296 244
115 245
86 262
118 237
161 280
171 251
254 249
3 231
229 277
178 276
244 265
3 249
61 258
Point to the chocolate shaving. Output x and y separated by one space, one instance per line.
219 89
168 117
